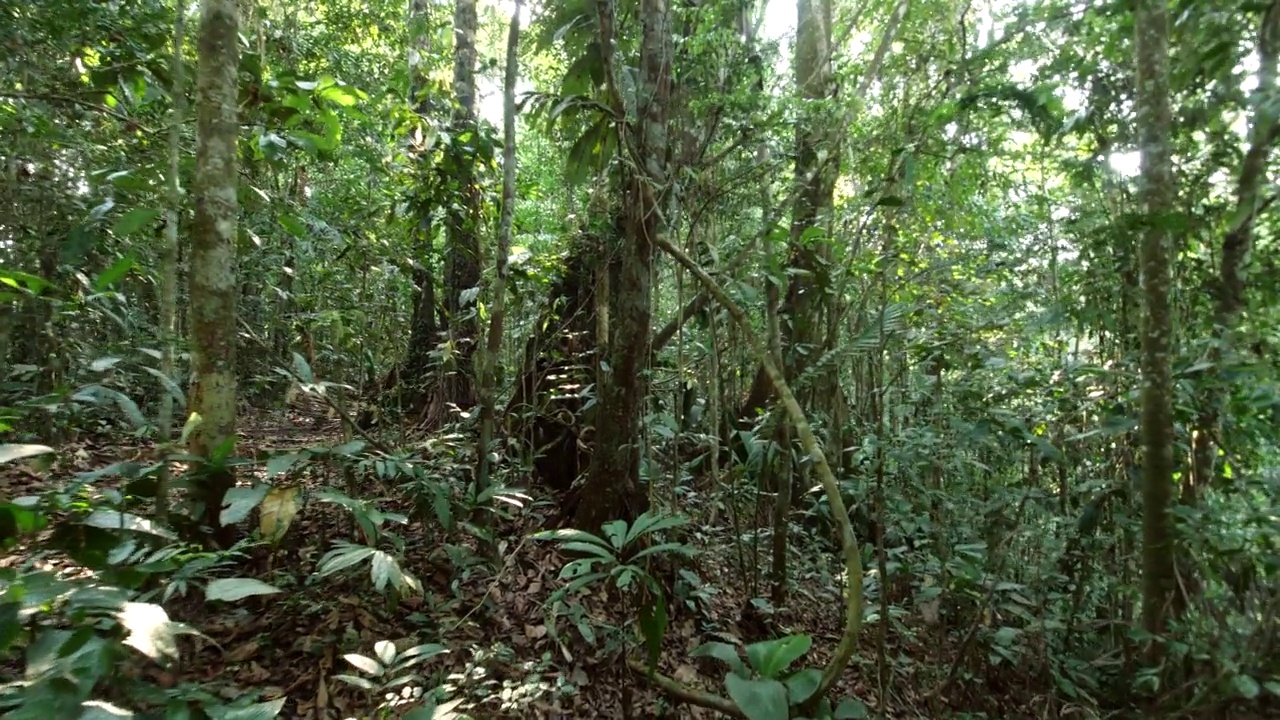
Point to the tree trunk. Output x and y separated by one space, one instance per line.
487 385
613 489
1237 247
213 255
456 385
1158 193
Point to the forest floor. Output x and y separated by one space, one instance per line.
506 658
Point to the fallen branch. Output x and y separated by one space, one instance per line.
682 693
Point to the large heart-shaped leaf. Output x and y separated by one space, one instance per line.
758 699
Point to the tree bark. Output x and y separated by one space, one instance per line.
457 385
613 489
213 256
1158 194
488 380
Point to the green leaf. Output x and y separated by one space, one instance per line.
650 523
169 386
723 652
590 549
851 709
11 452
294 227
386 652
803 684
302 370
114 520
279 464
758 699
771 657
384 569
232 589
1246 687
343 557
240 501
366 665
113 274
134 220
616 532
570 535
256 711
653 626
674 548
359 682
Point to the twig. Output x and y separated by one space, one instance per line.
68 100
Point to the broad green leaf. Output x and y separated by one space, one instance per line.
240 501
17 279
232 589
851 709
279 464
771 657
758 699
724 652
1246 687
294 227
802 684
616 532
11 452
302 370
113 274
384 569
134 220
356 680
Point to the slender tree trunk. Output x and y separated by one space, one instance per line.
493 348
169 253
424 329
462 254
213 254
1158 194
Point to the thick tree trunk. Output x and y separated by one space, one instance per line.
613 489
213 254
